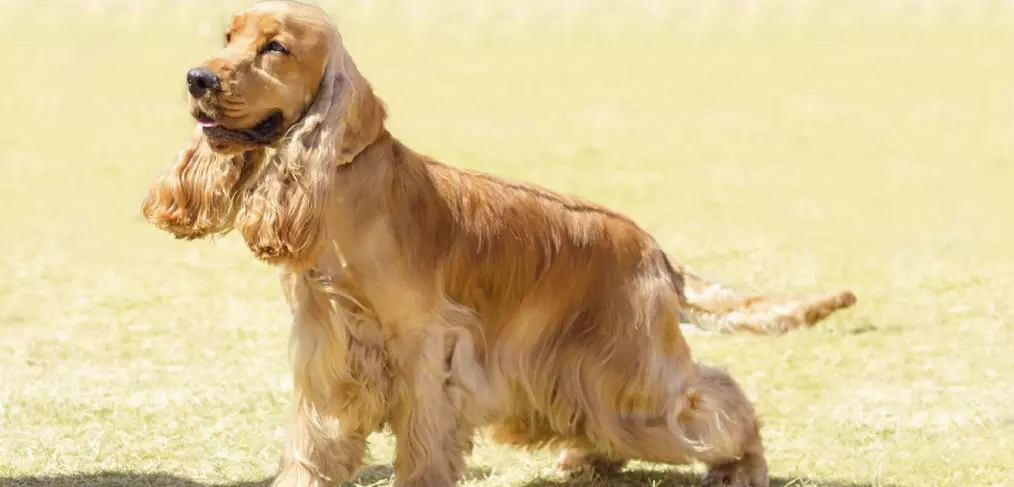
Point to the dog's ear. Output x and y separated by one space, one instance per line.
195 196
359 120
345 117
281 218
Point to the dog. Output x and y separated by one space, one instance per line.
440 302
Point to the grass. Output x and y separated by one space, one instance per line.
790 147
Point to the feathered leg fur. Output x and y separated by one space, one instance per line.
341 385
438 395
712 422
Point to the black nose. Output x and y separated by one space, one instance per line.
200 80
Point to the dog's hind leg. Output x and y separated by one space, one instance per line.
723 430
714 423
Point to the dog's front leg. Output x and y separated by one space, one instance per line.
439 390
321 449
340 381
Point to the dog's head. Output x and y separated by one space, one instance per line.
278 108
265 78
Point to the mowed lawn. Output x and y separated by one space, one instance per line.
778 146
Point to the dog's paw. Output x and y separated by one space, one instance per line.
576 462
749 471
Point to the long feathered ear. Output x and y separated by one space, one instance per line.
281 218
361 118
196 196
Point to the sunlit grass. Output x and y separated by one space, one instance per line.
787 148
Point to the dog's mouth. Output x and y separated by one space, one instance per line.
265 132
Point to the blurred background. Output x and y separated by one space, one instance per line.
779 146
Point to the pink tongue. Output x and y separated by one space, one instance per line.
206 124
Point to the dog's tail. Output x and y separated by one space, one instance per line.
715 307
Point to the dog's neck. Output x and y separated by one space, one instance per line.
353 187
364 153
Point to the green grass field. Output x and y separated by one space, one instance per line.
778 146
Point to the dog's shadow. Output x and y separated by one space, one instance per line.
383 475
676 478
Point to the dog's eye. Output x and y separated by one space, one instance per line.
275 46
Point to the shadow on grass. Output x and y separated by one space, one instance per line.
117 479
653 478
383 474
370 475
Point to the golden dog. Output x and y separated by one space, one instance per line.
439 301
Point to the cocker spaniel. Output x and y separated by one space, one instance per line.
438 301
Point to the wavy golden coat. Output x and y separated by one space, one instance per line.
440 301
